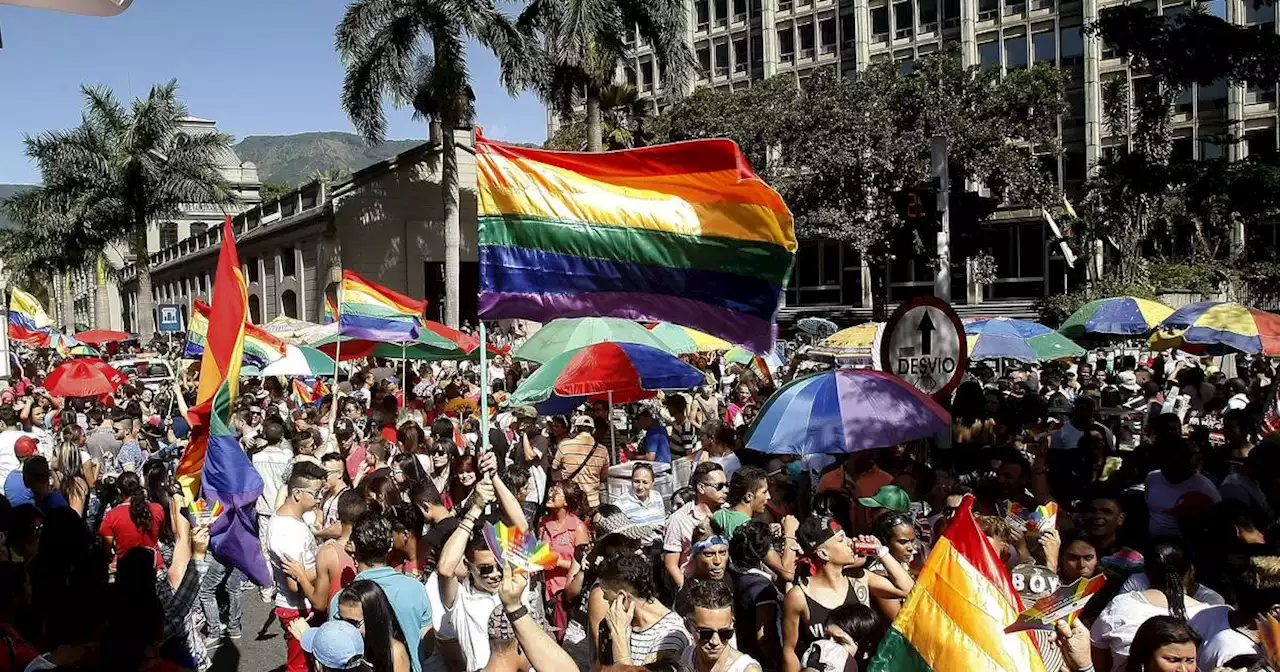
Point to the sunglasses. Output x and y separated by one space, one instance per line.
705 634
356 623
717 486
488 569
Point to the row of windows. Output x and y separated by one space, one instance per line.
745 51
288 265
1063 47
169 232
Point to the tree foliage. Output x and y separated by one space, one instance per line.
626 121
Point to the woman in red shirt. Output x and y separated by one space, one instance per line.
135 521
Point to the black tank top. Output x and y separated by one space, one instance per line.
813 628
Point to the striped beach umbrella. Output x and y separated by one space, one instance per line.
1220 327
1115 316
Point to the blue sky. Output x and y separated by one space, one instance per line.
257 67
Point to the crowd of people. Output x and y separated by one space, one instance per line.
678 548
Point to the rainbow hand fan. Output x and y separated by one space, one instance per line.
1040 519
518 549
204 512
1064 603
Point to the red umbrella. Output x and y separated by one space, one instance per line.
83 378
100 336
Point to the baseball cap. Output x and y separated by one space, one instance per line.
336 644
25 446
1127 380
526 412
815 531
584 421
888 497
344 427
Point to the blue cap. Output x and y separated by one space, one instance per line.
336 644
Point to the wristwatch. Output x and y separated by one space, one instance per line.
516 615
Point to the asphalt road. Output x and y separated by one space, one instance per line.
261 649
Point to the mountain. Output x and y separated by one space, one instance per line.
7 190
291 159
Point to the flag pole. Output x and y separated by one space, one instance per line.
613 441
404 364
337 357
484 390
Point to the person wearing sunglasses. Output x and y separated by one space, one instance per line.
289 540
711 624
711 489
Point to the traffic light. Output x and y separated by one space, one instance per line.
916 205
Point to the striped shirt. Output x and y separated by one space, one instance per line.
668 636
651 512
572 453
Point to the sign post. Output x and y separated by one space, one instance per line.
169 318
924 344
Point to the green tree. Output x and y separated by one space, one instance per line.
625 120
582 44
123 168
271 191
414 52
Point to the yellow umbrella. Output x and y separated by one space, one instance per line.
854 343
683 340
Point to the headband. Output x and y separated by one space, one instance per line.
703 545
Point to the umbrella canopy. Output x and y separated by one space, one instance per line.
300 360
1115 316
290 329
560 336
852 345
817 327
1003 338
1220 327
435 341
685 341
843 412
82 350
100 336
83 378
629 371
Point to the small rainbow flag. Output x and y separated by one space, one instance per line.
1062 604
1040 519
954 618
330 309
518 549
204 512
369 311
683 233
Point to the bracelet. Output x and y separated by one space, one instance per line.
881 552
1086 668
520 612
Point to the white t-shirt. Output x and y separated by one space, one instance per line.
1163 497
468 621
729 462
667 635
1222 647
289 537
1203 593
8 459
273 464
1119 622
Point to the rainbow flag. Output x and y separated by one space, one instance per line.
369 311
683 233
954 618
214 465
260 347
330 309
28 322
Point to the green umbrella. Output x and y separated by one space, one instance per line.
560 336
300 360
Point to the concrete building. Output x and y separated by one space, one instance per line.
385 222
193 220
737 42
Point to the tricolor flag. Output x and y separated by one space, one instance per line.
214 466
369 311
683 233
260 346
28 322
954 618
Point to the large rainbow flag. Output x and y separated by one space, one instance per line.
260 346
682 233
954 618
369 311
214 465
28 322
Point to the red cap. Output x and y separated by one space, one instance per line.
25 446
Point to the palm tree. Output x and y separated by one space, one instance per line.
123 168
625 120
328 175
582 46
414 51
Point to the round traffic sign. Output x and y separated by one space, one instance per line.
924 343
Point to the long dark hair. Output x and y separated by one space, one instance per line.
457 491
139 506
412 468
411 437
1166 568
1156 632
864 625
380 624
159 487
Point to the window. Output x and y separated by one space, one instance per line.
880 21
722 59
989 54
1214 96
288 262
704 13
950 13
739 10
740 55
1073 164
168 234
722 12
757 50
1255 14
198 228
1015 52
1015 7
1182 103
631 77
827 35
1181 149
629 36
1210 148
806 40
847 32
903 20
289 303
646 75
1259 93
704 62
1261 142
252 274
817 280
906 65
928 12
786 44
255 309
988 9
1042 44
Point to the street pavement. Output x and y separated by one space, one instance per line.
261 649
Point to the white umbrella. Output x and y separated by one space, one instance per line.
89 7
300 361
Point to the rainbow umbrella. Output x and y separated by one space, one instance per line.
1115 316
615 372
82 350
685 341
845 411
1219 327
1003 338
559 336
854 345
